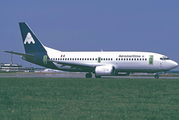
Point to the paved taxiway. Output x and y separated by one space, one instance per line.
73 75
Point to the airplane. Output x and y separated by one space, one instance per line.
103 63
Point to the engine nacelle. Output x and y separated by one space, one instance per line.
104 70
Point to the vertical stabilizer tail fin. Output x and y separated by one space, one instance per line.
31 43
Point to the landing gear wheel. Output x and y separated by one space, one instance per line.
88 75
156 76
97 76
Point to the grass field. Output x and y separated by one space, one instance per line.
94 99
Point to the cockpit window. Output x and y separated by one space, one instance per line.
164 58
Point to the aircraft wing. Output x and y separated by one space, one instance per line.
16 53
74 64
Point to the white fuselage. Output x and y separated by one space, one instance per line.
122 61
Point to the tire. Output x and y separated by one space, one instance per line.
97 76
88 75
156 76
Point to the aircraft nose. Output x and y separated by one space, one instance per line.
174 64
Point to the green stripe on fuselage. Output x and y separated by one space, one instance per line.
151 60
45 59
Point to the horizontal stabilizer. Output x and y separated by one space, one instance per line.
19 53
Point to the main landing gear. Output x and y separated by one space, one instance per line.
88 75
97 76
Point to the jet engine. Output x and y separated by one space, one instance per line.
104 70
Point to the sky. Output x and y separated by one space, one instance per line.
117 25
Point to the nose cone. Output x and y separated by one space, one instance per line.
173 64
168 65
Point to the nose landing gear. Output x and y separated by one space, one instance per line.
156 76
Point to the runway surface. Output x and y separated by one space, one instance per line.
77 75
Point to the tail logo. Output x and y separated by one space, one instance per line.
29 39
